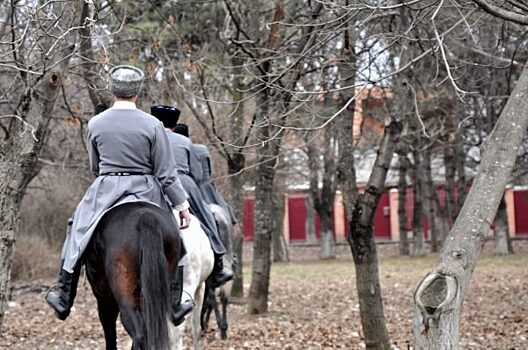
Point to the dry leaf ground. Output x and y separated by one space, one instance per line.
313 305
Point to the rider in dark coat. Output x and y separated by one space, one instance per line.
187 165
131 157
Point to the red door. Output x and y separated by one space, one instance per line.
520 200
297 218
382 218
249 203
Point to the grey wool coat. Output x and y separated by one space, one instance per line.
189 167
123 140
208 189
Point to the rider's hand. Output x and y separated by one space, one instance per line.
185 218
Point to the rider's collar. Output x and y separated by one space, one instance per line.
124 105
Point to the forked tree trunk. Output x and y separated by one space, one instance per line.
360 211
439 297
363 246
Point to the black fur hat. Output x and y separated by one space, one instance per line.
168 115
182 129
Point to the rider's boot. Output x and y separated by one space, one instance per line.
220 275
61 299
179 309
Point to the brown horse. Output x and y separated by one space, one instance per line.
135 249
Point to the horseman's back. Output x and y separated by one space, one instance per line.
124 138
123 141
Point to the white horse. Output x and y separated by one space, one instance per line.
220 297
198 268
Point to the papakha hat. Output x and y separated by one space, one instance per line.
126 81
168 115
182 129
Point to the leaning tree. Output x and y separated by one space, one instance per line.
439 297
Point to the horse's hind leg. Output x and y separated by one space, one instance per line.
218 314
223 320
108 311
132 321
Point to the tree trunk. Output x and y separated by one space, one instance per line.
429 190
450 169
363 246
310 219
19 153
266 160
460 159
280 248
418 229
236 163
99 96
439 297
501 231
259 289
402 199
237 202
360 235
327 235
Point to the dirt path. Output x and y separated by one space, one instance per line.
312 306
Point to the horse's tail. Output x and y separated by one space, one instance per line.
154 283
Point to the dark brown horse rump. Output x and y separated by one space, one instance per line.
129 263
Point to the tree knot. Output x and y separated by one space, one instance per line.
434 294
55 79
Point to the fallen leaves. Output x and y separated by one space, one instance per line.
313 306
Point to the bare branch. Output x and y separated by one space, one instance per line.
502 13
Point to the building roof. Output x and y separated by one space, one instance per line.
297 172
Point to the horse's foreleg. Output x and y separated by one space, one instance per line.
199 300
223 321
206 308
108 311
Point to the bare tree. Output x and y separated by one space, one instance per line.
270 135
40 47
323 187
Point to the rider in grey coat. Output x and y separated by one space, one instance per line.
131 156
209 191
188 165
